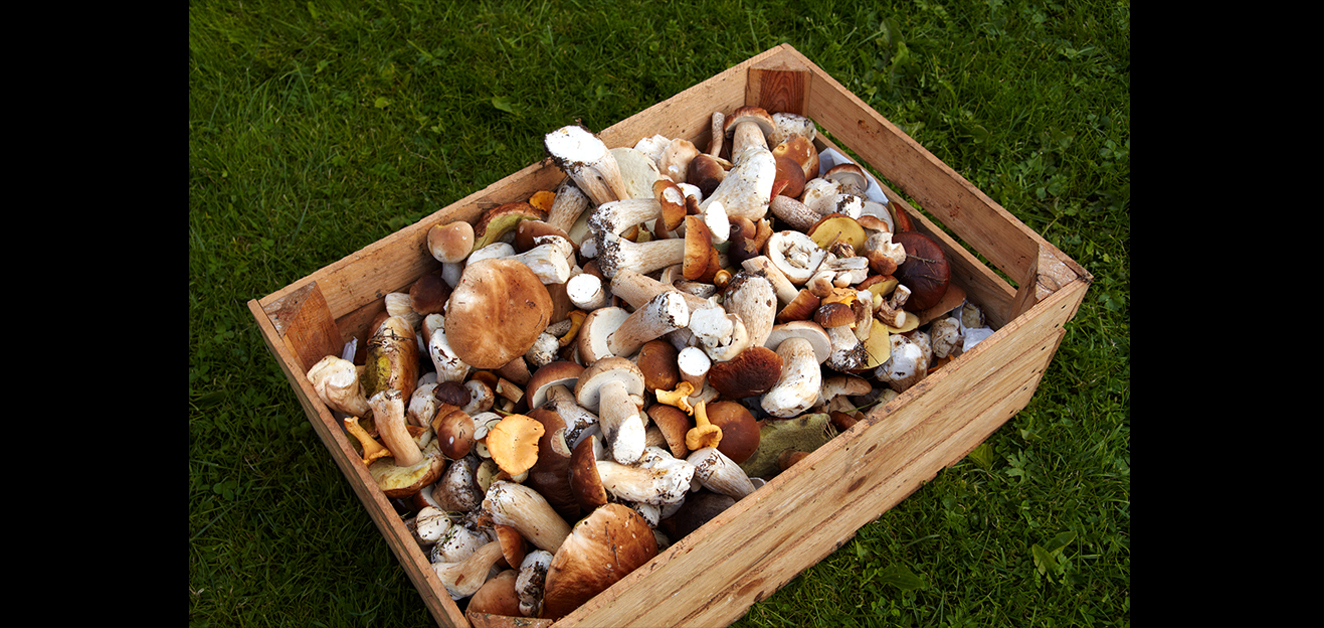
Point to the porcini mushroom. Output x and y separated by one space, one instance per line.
606 388
582 155
336 381
797 388
496 312
602 548
522 508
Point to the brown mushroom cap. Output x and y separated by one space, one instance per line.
585 482
753 372
925 270
740 431
750 114
563 372
602 548
657 361
451 242
496 313
497 596
454 433
614 368
673 423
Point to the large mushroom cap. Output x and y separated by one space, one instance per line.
601 549
496 312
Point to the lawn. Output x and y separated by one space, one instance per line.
316 128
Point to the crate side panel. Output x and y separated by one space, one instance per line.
844 485
383 515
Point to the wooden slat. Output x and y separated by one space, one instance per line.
305 324
779 84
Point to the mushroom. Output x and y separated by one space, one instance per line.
513 443
638 171
582 155
392 359
587 292
457 489
447 364
693 365
569 204
748 127
753 299
497 596
704 433
907 365
463 579
451 242
721 335
752 372
663 313
616 253
592 339
665 480
718 473
459 542
798 387
925 270
747 188
617 217
336 381
522 508
531 581
740 431
602 548
794 213
787 124
388 411
795 255
496 312
607 388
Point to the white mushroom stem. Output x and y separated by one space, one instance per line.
847 350
718 473
586 291
747 188
616 254
800 382
718 134
583 156
906 366
464 578
456 544
637 289
527 511
550 261
431 524
388 412
336 381
569 203
530 582
658 484
694 365
618 216
723 336
621 422
447 363
786 291
754 300
663 313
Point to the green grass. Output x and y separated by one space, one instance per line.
316 128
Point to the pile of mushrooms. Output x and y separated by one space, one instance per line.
596 371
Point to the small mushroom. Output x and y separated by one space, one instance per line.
925 270
718 473
748 127
451 242
704 433
531 582
463 579
795 255
336 381
665 481
753 372
392 359
513 443
497 596
664 313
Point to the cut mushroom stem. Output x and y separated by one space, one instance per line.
582 155
464 578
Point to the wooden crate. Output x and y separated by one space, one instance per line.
712 576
